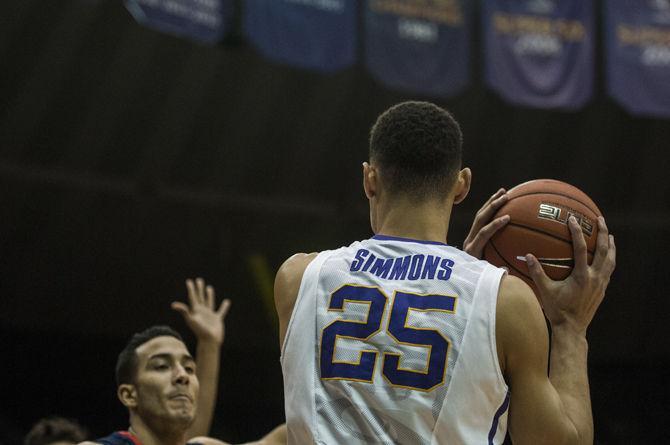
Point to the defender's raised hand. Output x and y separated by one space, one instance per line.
484 226
574 301
206 322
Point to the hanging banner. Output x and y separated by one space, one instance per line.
638 55
540 53
419 46
312 34
201 20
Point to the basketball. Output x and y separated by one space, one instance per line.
539 212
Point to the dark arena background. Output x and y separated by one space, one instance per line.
132 159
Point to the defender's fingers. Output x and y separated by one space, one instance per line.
200 290
209 297
537 273
180 307
190 286
602 244
578 246
224 308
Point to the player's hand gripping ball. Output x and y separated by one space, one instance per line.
539 212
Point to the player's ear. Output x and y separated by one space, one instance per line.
370 180
462 186
127 394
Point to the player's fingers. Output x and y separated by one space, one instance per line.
180 307
190 287
209 297
496 195
476 247
487 211
537 274
578 247
224 308
602 244
485 214
200 290
610 262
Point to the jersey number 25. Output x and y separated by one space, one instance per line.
363 370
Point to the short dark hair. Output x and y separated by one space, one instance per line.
55 429
418 148
126 364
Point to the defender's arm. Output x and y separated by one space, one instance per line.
207 323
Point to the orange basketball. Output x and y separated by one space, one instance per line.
538 224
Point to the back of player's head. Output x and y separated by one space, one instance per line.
55 429
126 364
418 148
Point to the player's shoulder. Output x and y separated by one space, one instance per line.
520 324
297 262
88 443
516 299
292 270
288 279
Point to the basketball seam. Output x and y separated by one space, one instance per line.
533 229
507 262
557 194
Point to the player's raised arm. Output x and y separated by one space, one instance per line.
287 285
557 408
207 323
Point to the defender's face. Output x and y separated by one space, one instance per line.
166 384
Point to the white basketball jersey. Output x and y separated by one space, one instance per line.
392 341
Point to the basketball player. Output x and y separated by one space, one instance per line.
404 339
158 381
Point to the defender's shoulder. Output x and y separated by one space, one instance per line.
205 441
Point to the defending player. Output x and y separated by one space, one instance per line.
158 380
403 339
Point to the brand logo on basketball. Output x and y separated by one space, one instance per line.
561 215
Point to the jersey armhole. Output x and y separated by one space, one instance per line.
496 276
313 268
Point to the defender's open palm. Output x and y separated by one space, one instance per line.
206 322
575 300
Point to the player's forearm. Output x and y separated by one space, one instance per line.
569 375
208 355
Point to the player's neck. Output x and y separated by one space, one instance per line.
421 221
150 436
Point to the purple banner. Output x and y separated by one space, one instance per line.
312 34
540 53
638 55
419 46
202 20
